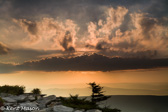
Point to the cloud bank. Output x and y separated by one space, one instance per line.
92 62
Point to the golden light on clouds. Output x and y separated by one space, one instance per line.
73 43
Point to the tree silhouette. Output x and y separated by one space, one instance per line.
36 91
97 93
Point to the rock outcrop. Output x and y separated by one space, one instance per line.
35 103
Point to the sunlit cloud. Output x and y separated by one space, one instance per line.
115 31
61 34
146 36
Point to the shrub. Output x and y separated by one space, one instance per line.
15 90
75 102
36 91
82 103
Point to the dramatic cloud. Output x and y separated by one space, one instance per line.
3 49
136 31
144 34
92 62
124 28
31 28
102 30
61 34
67 42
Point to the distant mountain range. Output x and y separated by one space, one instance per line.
108 91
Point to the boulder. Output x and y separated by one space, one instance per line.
52 104
48 109
43 102
40 111
9 100
31 98
45 110
79 110
94 110
61 108
12 111
20 98
30 104
4 94
8 104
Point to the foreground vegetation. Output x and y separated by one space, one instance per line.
36 91
96 96
79 103
15 90
82 103
73 101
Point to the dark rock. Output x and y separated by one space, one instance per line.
61 108
43 102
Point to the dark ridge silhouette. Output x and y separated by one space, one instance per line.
94 62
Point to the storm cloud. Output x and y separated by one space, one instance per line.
67 41
122 28
93 62
62 34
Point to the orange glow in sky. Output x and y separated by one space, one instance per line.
40 79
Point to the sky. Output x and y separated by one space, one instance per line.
34 30
49 36
63 83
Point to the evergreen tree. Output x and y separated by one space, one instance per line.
97 93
